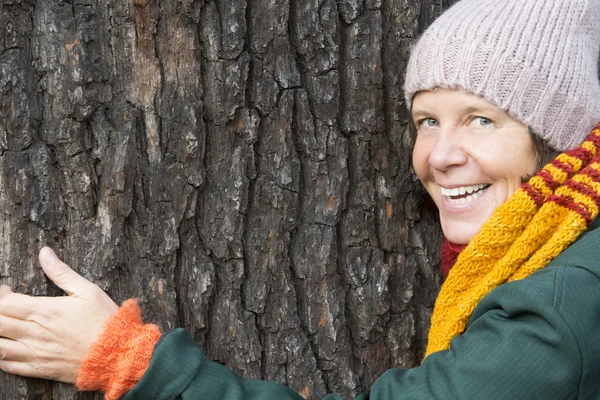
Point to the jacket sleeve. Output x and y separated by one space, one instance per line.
517 346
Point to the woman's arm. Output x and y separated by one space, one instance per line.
517 346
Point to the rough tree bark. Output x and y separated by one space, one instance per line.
242 167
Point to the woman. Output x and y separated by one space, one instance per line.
492 85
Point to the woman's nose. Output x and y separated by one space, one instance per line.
447 152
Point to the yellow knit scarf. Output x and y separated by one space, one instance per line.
535 225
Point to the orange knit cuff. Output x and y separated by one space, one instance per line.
118 360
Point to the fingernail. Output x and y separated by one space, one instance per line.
49 254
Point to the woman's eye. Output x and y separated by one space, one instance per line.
482 121
429 122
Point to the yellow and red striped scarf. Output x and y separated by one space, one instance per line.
535 225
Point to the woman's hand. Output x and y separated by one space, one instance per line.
48 337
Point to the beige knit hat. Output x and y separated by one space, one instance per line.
535 59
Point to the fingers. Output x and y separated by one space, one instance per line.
17 305
12 350
12 328
61 274
17 359
19 368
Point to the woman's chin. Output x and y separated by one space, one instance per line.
461 225
460 233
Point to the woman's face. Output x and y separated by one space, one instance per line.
470 155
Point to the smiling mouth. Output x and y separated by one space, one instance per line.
463 194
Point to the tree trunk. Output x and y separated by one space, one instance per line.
241 167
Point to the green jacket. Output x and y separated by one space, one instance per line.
538 338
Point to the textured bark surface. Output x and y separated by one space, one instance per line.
242 167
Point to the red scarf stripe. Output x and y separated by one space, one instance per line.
566 167
585 189
549 179
533 193
582 153
571 204
594 138
592 173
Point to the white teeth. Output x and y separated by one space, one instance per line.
464 200
461 190
474 193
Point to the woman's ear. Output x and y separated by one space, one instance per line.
544 153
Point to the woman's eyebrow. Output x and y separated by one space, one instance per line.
421 114
469 108
475 110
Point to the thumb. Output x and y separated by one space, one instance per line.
60 273
5 290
